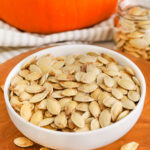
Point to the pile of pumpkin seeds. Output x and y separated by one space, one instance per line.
74 93
133 32
24 143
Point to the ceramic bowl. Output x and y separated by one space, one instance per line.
81 140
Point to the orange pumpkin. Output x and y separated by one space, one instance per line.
49 16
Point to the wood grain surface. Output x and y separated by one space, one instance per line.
139 133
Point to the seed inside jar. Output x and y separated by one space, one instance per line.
133 32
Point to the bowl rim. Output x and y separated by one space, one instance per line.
142 98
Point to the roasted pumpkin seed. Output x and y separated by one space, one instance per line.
105 118
45 122
78 120
38 97
61 120
23 142
94 124
130 146
94 109
53 106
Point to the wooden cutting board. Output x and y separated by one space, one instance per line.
139 133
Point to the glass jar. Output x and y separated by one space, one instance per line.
133 28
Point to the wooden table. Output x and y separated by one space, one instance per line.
139 133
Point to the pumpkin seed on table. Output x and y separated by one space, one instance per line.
130 146
75 93
23 142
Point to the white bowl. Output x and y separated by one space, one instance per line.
80 140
